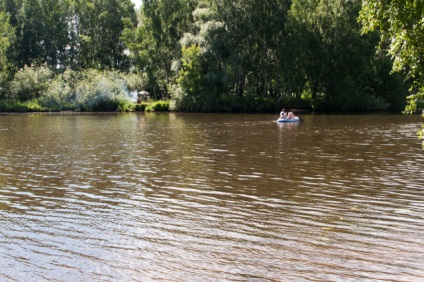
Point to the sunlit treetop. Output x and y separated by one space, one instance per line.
401 25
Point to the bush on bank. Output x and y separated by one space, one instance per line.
109 106
234 104
37 88
153 106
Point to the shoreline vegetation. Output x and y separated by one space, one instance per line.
40 89
202 56
13 106
125 105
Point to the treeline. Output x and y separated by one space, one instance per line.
211 55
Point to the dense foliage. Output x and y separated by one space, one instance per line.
6 37
88 90
214 55
401 24
69 34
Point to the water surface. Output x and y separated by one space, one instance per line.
200 197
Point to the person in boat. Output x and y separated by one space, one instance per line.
290 115
283 114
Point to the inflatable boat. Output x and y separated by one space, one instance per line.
295 119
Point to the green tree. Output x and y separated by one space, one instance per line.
40 29
109 29
30 33
155 43
337 62
30 82
401 25
202 73
54 38
70 33
96 29
190 81
256 30
6 38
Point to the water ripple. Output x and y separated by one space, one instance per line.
179 198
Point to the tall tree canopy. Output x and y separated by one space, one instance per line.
219 55
6 37
401 24
269 49
154 43
77 34
338 64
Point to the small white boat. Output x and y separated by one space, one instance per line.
295 119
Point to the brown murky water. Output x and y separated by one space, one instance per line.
198 197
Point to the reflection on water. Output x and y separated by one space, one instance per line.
197 197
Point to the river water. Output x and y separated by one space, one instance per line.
210 197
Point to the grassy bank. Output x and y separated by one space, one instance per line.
16 106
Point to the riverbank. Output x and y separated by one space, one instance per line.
14 106
235 105
227 105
